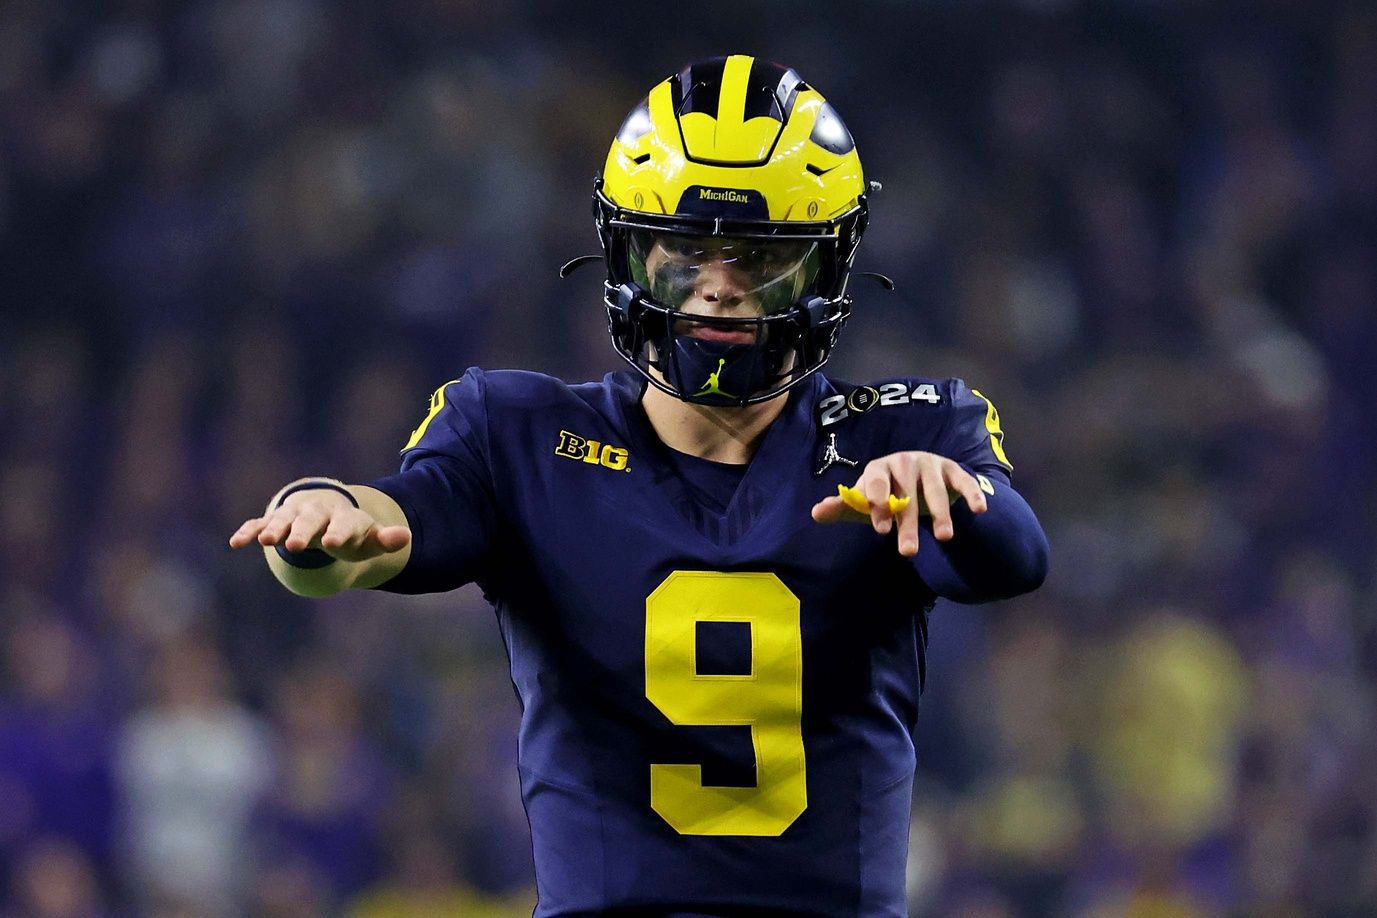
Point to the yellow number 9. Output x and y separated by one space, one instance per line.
769 700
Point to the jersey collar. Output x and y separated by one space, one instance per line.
783 460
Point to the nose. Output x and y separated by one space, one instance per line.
718 284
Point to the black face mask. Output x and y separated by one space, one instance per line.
717 372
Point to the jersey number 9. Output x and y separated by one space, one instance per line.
769 700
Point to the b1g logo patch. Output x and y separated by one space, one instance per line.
861 399
593 452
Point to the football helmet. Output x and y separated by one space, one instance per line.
729 211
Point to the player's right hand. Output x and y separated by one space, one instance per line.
324 519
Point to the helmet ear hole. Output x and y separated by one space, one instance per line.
624 307
819 321
627 317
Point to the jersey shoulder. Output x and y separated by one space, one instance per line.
455 421
943 415
465 411
523 391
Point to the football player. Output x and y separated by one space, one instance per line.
718 692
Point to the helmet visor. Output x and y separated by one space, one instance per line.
721 276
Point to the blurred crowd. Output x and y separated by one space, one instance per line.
242 240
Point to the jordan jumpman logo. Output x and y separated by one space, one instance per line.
831 457
710 387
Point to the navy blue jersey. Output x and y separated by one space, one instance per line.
718 705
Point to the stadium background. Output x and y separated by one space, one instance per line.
242 240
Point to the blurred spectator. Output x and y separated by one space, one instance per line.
29 530
331 782
289 886
55 879
56 737
1166 733
192 765
422 882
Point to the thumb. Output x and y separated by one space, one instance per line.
392 538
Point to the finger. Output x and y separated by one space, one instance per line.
392 538
836 510
906 511
246 533
876 487
964 483
306 527
899 490
934 487
278 524
379 540
828 510
372 541
345 530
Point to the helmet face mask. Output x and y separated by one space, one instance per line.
728 234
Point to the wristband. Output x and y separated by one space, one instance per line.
311 558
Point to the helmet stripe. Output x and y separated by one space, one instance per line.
731 109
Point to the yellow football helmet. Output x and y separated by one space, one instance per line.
737 165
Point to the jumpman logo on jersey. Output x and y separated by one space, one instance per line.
831 457
710 387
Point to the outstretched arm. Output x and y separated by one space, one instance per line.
366 545
987 543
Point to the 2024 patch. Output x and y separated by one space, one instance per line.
861 399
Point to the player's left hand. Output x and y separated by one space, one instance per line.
905 486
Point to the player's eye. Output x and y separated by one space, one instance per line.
680 247
750 260
769 258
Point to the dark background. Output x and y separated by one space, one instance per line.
242 240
